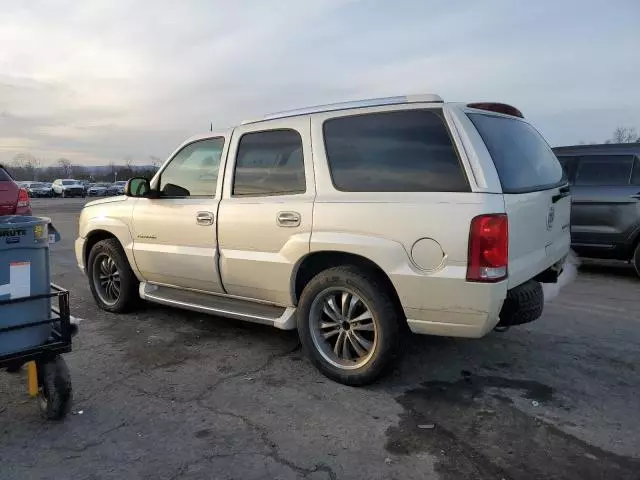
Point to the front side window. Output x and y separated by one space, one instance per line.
269 163
401 151
193 171
604 170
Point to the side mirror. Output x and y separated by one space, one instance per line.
137 187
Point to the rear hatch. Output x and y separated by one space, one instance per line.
8 193
535 190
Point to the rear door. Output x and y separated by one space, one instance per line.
606 203
266 210
8 193
535 191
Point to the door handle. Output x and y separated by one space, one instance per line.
288 219
204 218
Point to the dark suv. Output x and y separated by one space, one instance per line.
605 210
14 200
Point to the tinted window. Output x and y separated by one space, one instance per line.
524 161
4 176
568 165
404 151
635 178
193 171
269 163
69 182
609 170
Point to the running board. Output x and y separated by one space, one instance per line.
225 306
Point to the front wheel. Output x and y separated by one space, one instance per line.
636 259
113 284
349 325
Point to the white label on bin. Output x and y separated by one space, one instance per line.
19 280
52 238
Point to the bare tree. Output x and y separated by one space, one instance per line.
624 135
65 167
25 166
155 161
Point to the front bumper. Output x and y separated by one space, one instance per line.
79 249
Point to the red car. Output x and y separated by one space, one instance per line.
13 199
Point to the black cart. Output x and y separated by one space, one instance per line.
47 372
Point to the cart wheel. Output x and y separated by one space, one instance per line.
55 388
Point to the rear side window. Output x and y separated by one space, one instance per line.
4 175
523 159
269 163
605 170
403 151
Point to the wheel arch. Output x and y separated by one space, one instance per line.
98 234
315 262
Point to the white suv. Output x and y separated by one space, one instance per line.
345 221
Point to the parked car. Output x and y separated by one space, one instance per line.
14 199
68 188
98 190
38 189
605 211
117 188
345 221
85 184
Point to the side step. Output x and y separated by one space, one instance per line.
225 306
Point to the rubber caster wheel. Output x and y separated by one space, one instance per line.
54 398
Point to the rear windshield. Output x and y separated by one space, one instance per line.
524 161
4 175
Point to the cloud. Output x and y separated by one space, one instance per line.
107 79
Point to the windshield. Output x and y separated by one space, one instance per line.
69 182
523 159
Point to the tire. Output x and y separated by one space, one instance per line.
380 344
55 394
108 259
636 259
523 304
63 194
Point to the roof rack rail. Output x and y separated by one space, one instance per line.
372 102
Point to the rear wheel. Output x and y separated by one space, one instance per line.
113 284
349 325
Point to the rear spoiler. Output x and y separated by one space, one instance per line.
498 108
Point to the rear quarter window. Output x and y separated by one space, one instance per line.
523 159
400 151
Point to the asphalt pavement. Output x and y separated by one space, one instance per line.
167 394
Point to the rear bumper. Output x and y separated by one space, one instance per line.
445 304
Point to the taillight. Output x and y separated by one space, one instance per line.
488 248
23 198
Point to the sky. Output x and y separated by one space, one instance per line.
102 81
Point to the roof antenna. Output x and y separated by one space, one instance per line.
211 127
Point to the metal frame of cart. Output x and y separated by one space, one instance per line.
48 375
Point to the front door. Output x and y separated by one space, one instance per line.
606 203
175 241
266 211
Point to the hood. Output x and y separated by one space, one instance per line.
106 200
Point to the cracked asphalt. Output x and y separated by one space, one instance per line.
167 394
